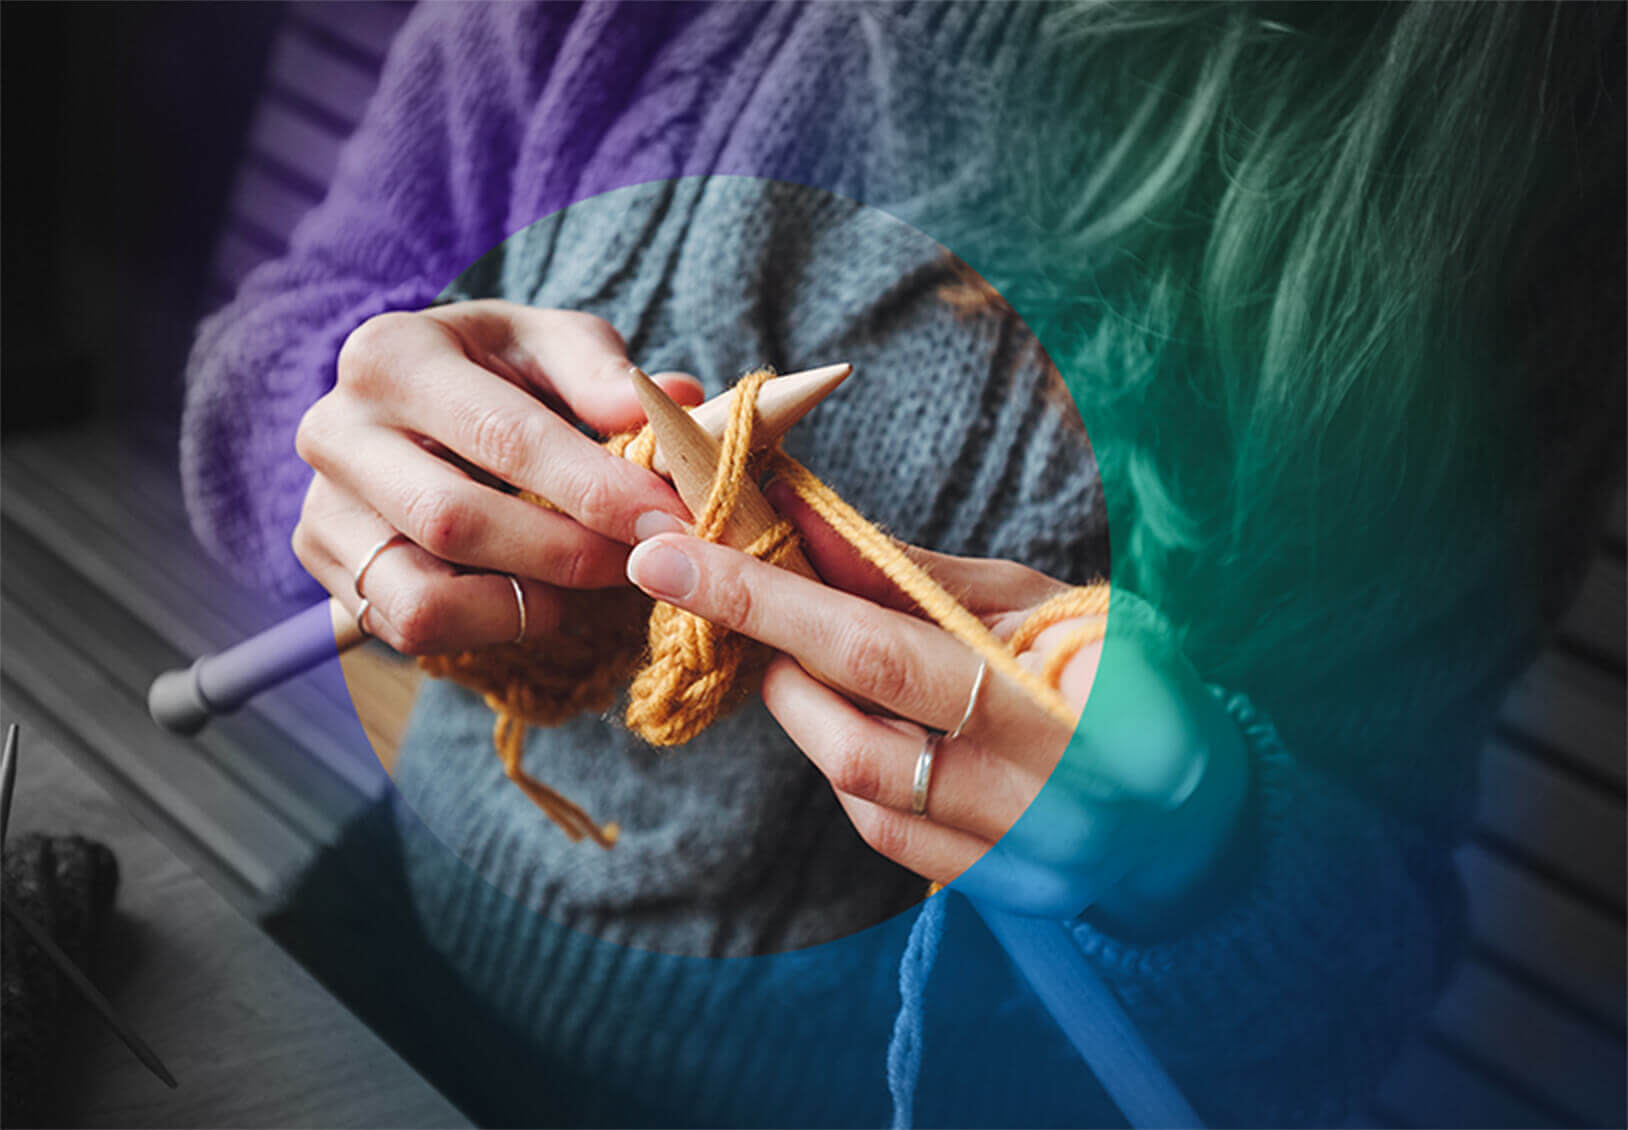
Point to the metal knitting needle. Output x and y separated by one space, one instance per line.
8 779
103 1008
64 963
693 454
184 699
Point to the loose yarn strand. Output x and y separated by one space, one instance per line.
904 1049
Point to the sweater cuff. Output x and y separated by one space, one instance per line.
1244 894
1316 951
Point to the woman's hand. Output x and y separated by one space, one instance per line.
1133 815
435 418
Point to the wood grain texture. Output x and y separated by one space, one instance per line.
383 686
252 1038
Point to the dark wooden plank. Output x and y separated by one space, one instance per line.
1521 1037
1571 829
341 84
1561 943
235 257
1574 710
267 203
1429 1088
266 763
187 603
366 28
1616 533
1597 622
36 719
57 490
253 1039
202 801
286 136
151 516
38 506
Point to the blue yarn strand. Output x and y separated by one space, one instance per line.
904 1049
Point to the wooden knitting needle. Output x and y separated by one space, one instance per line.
693 454
184 699
781 402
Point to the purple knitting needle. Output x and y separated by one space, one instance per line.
183 700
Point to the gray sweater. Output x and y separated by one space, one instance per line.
699 173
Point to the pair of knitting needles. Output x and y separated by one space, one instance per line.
65 964
183 700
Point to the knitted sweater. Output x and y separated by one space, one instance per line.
730 171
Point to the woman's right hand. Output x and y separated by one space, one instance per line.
432 414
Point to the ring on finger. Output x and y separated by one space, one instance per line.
372 556
972 701
924 773
520 603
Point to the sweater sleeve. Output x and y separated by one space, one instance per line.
1286 1003
418 194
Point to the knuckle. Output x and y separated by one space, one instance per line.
421 615
879 662
854 767
368 348
304 542
506 442
611 369
571 567
1015 576
887 832
582 322
313 435
440 521
596 502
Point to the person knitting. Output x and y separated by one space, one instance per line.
1306 324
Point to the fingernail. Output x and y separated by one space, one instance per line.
663 570
653 522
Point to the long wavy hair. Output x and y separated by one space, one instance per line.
1306 290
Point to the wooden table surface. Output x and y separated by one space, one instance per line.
253 1039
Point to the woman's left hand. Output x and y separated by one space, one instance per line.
1136 813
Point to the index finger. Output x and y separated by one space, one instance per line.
504 430
908 666
974 581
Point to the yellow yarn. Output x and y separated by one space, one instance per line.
694 671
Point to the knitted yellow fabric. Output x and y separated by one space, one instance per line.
694 671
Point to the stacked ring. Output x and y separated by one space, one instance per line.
520 603
367 563
924 773
972 700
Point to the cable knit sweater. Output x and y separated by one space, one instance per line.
730 171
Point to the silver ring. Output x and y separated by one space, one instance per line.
520 603
972 700
373 555
924 773
362 610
